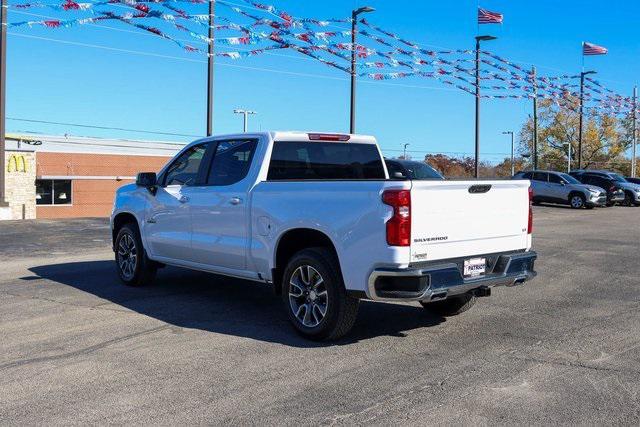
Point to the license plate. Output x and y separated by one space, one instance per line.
475 267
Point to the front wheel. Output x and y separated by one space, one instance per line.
134 267
629 199
577 201
314 296
451 306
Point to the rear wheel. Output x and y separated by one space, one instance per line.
314 296
134 267
577 201
451 306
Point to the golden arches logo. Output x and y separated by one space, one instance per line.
17 164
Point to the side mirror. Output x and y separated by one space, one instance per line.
149 180
398 175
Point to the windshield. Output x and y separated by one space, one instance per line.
421 171
617 178
569 178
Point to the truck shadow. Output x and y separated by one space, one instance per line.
224 305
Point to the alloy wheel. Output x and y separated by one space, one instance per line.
308 298
576 202
127 256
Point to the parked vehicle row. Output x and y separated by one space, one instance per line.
629 191
318 217
581 189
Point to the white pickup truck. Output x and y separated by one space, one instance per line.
316 216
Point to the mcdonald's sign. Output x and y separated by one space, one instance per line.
17 163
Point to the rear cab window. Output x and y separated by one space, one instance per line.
540 176
315 161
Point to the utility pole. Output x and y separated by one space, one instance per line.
3 94
477 150
510 132
582 74
354 23
535 118
635 132
210 70
245 120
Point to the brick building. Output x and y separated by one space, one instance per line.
68 177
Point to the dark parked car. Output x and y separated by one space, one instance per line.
633 180
615 193
410 169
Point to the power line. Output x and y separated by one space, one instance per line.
82 125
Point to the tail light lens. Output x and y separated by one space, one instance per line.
399 226
530 223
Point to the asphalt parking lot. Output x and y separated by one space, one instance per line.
78 347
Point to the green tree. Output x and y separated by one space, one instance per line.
604 142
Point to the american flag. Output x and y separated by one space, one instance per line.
488 17
593 49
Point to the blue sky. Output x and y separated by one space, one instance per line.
70 83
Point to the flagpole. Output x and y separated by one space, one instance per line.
3 86
210 70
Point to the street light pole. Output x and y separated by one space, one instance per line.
568 156
635 132
354 22
210 70
582 74
404 155
477 150
535 118
3 93
510 132
245 119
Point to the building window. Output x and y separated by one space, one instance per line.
53 192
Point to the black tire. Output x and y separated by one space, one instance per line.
577 201
340 309
451 306
139 269
629 199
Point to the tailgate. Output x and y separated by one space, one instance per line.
452 219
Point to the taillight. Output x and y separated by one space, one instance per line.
530 223
399 226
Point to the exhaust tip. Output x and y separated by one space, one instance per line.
519 282
438 296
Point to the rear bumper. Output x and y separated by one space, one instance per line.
437 282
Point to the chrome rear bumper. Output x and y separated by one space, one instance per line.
445 279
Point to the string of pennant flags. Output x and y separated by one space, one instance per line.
382 54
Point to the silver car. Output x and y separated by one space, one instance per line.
558 187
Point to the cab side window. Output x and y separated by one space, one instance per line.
555 179
231 161
184 169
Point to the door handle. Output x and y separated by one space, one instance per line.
183 199
235 200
